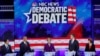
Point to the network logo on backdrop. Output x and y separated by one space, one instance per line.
52 12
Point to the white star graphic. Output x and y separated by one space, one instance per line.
27 15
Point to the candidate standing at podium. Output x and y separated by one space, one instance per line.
90 47
6 48
73 44
24 46
49 47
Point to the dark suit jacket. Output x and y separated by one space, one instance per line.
48 48
92 49
5 50
73 46
24 48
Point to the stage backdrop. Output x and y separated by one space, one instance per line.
52 18
39 19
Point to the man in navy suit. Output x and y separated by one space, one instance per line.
49 47
73 44
24 46
6 48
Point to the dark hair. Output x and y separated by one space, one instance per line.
73 35
5 40
89 39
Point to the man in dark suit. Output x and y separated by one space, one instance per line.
6 48
24 46
73 44
49 47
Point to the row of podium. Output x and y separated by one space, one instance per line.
51 54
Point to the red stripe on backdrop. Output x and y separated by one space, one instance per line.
81 44
17 45
71 22
71 12
97 46
32 45
71 17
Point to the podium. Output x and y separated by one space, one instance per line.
11 54
29 54
70 53
89 53
49 54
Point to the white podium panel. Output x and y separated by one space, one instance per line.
49 54
29 54
89 53
70 53
11 54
